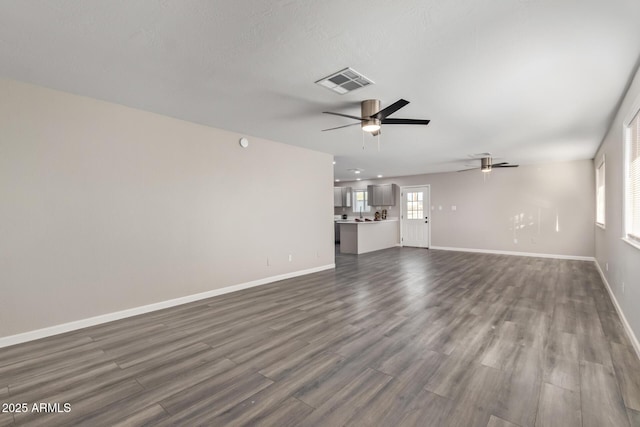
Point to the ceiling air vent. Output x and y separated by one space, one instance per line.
345 81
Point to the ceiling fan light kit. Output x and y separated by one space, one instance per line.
370 108
485 164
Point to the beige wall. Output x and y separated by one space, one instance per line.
105 208
622 258
486 209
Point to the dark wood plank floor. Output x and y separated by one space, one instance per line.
400 337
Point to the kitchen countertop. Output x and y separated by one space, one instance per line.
352 221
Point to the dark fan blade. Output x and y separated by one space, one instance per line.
344 115
404 122
464 170
497 165
390 109
340 127
505 166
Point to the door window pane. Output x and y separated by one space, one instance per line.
415 205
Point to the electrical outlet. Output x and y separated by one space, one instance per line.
515 241
454 207
606 266
290 257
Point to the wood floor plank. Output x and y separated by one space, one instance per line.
26 351
290 413
613 328
389 406
518 400
499 422
428 410
163 384
563 345
452 376
201 404
166 365
6 419
136 404
350 400
627 367
602 403
147 417
396 337
634 417
260 404
300 358
25 368
325 387
479 396
558 407
36 388
81 407
561 372
595 349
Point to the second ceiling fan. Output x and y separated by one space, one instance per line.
372 117
486 165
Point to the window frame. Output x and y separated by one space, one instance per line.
603 202
354 200
413 213
626 132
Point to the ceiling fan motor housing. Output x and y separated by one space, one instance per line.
368 108
485 164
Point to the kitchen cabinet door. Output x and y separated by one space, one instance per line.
337 197
341 197
389 195
381 195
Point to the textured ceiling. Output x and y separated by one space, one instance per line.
527 80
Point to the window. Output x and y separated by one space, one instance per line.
632 179
414 205
360 201
600 200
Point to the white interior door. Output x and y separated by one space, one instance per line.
415 216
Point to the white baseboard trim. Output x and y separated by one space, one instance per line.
529 254
110 317
625 323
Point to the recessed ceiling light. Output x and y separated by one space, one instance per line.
379 176
337 180
357 179
334 162
356 171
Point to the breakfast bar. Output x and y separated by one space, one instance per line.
368 236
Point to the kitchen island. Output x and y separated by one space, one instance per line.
368 236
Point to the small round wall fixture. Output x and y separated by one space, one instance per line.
244 142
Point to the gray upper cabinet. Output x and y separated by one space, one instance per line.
341 197
381 195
